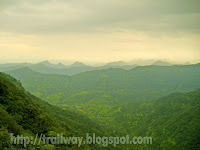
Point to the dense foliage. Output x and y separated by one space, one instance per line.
144 101
23 113
110 85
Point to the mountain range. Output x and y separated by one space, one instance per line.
77 67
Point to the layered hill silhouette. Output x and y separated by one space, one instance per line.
77 67
140 83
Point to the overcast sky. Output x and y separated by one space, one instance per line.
100 30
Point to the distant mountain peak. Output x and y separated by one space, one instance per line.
161 63
46 62
77 64
61 65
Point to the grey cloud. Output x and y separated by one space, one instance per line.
51 16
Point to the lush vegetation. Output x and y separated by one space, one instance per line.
161 102
23 113
173 121
110 85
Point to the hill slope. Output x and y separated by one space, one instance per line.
172 121
113 85
23 113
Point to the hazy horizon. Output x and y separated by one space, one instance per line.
142 62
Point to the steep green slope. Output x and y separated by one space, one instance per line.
23 113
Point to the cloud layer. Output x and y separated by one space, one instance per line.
51 16
100 30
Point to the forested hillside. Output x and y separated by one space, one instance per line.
172 121
23 113
144 101
111 85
